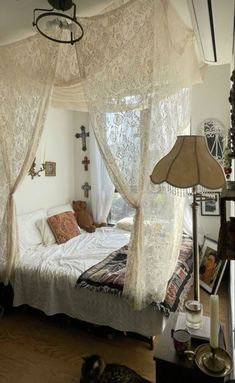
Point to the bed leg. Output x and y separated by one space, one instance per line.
151 341
6 299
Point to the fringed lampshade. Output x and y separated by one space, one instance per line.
188 165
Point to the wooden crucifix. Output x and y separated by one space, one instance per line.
86 162
83 136
86 187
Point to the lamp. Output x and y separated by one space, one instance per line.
49 22
188 165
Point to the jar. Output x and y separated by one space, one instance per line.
194 312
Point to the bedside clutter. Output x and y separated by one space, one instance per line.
171 366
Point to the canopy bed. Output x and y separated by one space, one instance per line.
127 72
83 277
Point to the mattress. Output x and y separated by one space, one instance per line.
45 278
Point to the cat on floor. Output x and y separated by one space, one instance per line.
95 370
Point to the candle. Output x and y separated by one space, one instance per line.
214 327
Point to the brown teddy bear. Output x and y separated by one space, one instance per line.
84 219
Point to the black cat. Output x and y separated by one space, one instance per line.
95 370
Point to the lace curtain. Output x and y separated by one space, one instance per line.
26 77
133 68
139 101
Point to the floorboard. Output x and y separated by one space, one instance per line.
36 348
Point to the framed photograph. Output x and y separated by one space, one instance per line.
211 267
50 168
211 206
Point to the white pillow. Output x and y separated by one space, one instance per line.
59 209
46 232
29 235
125 223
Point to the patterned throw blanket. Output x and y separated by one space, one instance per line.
108 276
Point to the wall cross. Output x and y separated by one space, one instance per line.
83 136
86 187
86 162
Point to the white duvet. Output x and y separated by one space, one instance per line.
45 279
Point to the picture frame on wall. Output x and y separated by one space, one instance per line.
50 168
211 207
211 267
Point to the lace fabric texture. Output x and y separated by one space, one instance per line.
133 71
27 71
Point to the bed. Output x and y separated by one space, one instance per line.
45 278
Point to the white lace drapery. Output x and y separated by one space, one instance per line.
135 64
139 101
27 71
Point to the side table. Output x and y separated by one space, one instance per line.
171 367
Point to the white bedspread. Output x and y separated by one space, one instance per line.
45 279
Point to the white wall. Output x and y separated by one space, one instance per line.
58 141
210 100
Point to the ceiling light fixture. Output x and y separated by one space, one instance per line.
49 23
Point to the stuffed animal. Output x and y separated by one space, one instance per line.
84 219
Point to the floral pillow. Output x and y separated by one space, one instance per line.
64 226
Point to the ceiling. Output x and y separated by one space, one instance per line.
212 21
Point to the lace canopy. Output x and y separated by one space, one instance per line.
132 71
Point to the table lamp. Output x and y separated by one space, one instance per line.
188 165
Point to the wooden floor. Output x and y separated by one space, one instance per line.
36 349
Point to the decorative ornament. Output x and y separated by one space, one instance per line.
86 162
86 187
83 136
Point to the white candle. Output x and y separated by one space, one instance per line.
214 316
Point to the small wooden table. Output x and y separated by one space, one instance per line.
171 367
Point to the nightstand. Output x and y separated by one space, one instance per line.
171 367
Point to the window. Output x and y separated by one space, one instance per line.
120 209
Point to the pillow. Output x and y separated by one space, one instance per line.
64 226
29 235
125 223
48 237
59 209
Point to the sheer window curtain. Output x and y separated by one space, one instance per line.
102 188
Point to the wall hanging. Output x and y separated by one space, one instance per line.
86 187
83 136
33 172
86 162
50 168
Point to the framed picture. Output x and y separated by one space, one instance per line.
50 168
211 267
211 206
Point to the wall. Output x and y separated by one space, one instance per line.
57 145
210 100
